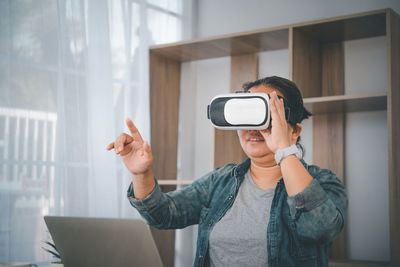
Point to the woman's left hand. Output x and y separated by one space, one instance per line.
279 135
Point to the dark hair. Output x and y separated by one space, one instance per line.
292 96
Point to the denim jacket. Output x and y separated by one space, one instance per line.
300 229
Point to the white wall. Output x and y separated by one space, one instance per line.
366 154
231 16
200 81
366 132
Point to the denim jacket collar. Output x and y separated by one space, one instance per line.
240 170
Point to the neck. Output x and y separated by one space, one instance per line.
265 174
264 161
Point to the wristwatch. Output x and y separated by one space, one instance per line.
283 153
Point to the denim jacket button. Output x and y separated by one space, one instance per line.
201 256
230 197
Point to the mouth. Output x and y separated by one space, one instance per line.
255 139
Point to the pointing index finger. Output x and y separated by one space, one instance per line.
134 131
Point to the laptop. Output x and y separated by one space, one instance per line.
103 242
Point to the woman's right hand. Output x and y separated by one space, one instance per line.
135 153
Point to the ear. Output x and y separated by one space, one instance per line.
295 133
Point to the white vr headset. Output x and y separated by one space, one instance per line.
245 111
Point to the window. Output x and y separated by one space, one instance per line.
70 72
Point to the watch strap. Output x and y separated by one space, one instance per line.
283 153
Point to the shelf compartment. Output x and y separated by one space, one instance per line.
364 25
346 103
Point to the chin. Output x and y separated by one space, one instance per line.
255 150
252 153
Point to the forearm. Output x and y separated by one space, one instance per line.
319 209
176 209
143 184
321 224
295 176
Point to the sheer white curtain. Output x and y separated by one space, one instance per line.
71 71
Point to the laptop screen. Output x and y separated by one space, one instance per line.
83 241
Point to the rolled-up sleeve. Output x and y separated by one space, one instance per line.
148 202
319 211
175 209
308 199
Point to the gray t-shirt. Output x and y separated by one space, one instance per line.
240 237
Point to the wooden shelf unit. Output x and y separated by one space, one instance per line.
316 62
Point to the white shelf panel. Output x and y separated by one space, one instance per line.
175 182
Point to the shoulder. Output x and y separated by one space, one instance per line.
216 175
232 169
222 176
227 168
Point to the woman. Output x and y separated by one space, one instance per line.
258 212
